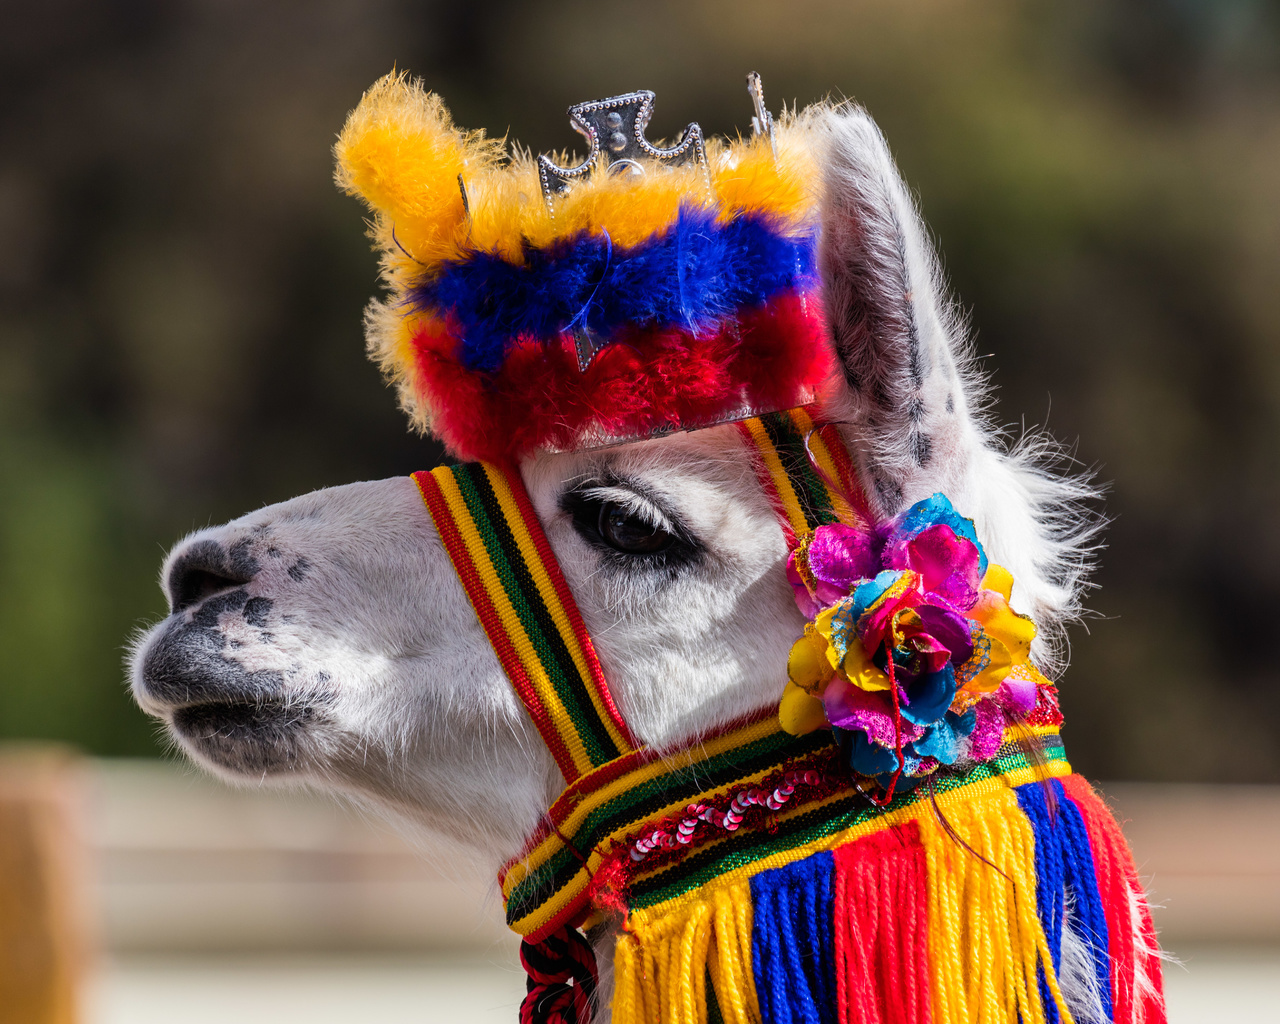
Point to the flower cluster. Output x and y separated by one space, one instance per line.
912 654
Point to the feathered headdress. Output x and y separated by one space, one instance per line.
644 291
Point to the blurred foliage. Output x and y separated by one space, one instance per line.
181 290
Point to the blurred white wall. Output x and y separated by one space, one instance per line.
185 862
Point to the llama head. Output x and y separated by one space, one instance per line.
327 640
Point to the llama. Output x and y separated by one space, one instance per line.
339 641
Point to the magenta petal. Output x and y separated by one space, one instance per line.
829 593
1019 694
949 629
849 707
988 730
841 555
948 563
809 608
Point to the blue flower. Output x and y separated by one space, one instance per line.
942 740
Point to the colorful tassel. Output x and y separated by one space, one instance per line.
1137 986
792 942
1065 876
663 963
882 929
985 940
953 912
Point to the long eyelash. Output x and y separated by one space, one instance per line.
583 500
633 503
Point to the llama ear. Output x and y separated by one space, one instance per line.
895 334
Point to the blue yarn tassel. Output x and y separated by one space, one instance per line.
1064 869
793 945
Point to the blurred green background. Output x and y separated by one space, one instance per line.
181 289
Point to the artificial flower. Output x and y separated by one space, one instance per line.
912 655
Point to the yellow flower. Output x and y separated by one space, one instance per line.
999 579
808 666
1008 633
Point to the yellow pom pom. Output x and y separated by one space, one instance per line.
401 153
799 712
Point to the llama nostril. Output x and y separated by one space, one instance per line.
201 572
198 584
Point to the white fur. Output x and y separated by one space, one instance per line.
912 381
390 690
1077 979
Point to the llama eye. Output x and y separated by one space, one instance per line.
626 532
634 532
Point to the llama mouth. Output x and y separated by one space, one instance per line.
248 737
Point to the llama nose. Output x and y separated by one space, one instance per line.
204 568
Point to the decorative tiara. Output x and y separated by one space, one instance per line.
548 304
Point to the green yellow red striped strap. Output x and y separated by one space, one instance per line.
501 555
806 472
519 594
587 840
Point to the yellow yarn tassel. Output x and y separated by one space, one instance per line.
662 962
985 938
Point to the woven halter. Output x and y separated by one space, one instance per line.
767 790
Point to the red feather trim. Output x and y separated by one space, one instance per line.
642 383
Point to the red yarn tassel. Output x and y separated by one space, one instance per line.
1117 879
562 979
882 929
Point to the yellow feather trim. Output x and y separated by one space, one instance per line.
402 154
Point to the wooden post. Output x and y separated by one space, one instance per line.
43 912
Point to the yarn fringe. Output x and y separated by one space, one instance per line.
1137 985
953 914
882 929
986 943
1066 885
691 965
793 950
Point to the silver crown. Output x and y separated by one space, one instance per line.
762 122
614 129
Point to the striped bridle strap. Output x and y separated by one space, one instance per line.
501 555
613 786
806 472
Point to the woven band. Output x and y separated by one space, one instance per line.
806 472
498 548
595 825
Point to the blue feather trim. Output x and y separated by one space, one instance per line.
693 276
